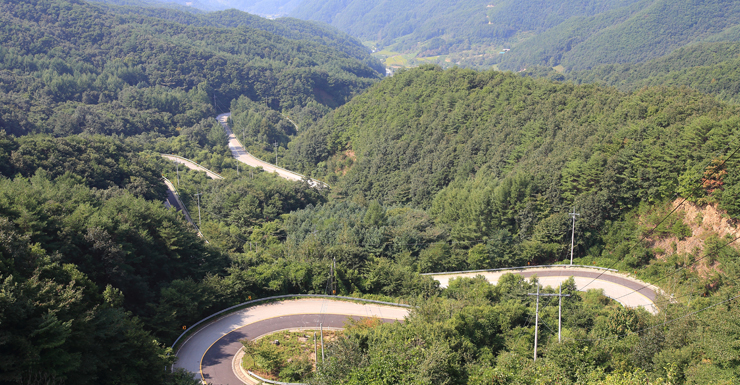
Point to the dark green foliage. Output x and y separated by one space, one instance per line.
288 28
110 235
501 159
99 162
86 70
56 326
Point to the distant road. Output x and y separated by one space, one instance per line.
191 165
629 291
211 350
240 154
173 200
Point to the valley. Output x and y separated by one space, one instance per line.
176 181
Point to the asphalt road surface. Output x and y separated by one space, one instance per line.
192 165
626 290
217 361
258 320
240 154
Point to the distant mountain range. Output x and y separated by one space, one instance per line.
266 8
514 35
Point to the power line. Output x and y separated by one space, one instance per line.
644 236
679 269
661 324
537 313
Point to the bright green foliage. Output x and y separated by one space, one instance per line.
477 333
501 160
632 33
707 67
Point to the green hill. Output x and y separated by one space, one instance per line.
288 28
646 30
435 27
488 151
708 67
72 67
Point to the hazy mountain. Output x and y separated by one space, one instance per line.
267 8
645 30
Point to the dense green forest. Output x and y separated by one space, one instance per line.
707 67
454 25
69 67
430 170
289 28
499 159
642 31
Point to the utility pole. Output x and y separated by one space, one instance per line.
333 274
177 167
198 195
321 329
276 147
536 320
560 309
537 314
315 349
573 233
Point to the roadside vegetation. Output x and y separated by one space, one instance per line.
430 170
287 356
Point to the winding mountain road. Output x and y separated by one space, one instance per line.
629 291
240 154
211 350
191 165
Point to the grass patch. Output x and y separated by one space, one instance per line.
287 356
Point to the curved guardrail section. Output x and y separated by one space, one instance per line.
184 159
255 301
521 268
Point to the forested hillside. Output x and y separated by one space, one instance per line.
69 67
707 67
433 27
285 27
576 34
500 157
430 170
470 21
643 31
86 245
497 161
